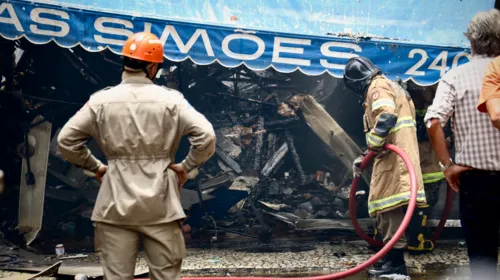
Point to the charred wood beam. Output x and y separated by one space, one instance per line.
250 119
222 86
331 133
111 60
228 160
82 68
295 156
271 145
259 144
281 122
247 99
7 49
247 90
276 87
275 160
221 179
217 125
264 80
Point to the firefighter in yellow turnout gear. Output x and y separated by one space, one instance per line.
389 119
432 175
431 172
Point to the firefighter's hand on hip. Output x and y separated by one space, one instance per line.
181 172
101 171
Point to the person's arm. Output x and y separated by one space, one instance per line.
493 107
201 135
73 137
436 118
383 108
436 135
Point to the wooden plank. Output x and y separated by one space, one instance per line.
31 197
50 271
330 132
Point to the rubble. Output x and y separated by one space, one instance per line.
276 207
331 133
264 122
295 156
275 160
228 160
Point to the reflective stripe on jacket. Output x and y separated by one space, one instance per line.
429 163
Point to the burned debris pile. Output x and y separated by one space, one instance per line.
281 160
276 145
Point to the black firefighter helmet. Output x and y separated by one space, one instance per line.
358 74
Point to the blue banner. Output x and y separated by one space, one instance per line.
230 46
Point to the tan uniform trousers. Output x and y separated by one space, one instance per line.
118 247
388 223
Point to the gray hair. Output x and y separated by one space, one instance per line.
484 33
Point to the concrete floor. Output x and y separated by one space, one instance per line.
291 258
288 258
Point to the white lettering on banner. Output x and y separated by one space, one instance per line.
442 57
325 50
280 49
35 16
260 46
99 26
147 27
458 56
184 48
414 70
12 19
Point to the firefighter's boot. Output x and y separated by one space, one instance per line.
417 244
378 237
393 263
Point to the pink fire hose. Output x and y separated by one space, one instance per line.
386 248
352 203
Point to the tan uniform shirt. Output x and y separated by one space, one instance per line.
138 126
390 183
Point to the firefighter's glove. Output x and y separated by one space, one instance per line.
356 166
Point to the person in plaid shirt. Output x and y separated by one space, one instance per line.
475 174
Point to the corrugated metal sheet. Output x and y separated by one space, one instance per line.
32 197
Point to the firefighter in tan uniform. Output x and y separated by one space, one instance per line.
431 171
389 119
138 125
432 175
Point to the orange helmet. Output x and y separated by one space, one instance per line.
144 46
